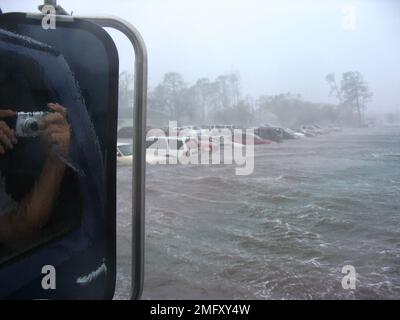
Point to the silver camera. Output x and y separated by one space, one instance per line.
28 124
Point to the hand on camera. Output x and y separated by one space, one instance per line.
7 135
55 129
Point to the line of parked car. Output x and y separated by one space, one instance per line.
188 140
279 134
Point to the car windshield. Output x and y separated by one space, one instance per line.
151 144
126 150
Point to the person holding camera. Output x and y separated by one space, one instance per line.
22 220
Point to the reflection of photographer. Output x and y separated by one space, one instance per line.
21 220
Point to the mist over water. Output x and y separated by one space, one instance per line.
285 232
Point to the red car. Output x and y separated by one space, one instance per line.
253 139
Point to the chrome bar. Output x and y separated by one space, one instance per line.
139 164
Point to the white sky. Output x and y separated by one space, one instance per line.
275 46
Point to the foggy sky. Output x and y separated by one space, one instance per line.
275 46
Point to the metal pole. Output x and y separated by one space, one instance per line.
138 178
59 9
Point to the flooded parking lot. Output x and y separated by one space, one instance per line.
285 232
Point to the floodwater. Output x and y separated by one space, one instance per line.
311 207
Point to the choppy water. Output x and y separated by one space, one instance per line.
285 232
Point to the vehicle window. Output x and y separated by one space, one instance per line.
151 144
126 150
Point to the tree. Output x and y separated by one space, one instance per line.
168 95
330 78
228 89
355 92
125 94
292 110
203 96
126 89
240 114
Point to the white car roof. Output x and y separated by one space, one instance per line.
168 138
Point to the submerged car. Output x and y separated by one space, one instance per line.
286 135
159 149
295 134
306 133
249 138
124 153
334 128
312 129
269 133
226 141
208 143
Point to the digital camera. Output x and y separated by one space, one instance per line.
28 123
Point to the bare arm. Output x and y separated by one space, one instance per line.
34 210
